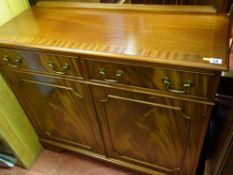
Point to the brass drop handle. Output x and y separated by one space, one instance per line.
17 63
119 74
63 71
167 82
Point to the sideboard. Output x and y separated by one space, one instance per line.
130 85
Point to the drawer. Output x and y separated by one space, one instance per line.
156 78
42 62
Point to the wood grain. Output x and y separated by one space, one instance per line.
34 61
167 38
153 77
57 109
135 122
134 7
145 124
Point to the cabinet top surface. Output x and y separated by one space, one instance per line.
182 39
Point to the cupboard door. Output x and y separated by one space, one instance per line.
151 131
57 109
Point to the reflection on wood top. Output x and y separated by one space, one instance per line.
166 38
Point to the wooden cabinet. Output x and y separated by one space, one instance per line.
57 108
133 127
139 86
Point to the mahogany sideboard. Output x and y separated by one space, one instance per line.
130 85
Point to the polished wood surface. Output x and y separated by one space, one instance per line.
138 93
40 62
153 78
148 124
57 109
221 5
44 97
155 37
177 2
129 7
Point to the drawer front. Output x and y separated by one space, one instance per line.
42 62
169 80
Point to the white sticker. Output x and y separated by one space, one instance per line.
213 60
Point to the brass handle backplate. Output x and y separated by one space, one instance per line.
10 63
168 83
118 75
63 71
